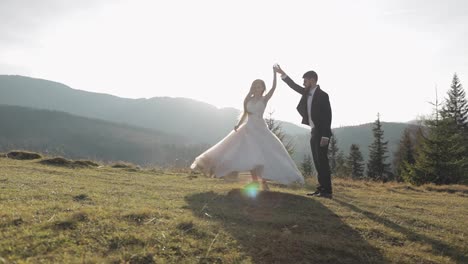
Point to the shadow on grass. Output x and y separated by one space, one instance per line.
277 227
438 247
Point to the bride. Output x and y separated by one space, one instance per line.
251 146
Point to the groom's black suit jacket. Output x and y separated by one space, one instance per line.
321 109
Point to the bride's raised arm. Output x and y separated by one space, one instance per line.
272 90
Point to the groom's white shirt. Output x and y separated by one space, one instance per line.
309 105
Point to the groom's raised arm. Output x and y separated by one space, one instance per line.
288 80
296 87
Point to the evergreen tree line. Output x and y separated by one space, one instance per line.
434 152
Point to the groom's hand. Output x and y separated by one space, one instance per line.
278 69
324 141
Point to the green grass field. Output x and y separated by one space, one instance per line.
50 214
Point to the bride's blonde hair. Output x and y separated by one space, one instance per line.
254 84
258 82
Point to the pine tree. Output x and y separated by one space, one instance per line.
404 156
440 156
456 109
332 153
355 162
341 168
277 129
377 169
456 106
306 166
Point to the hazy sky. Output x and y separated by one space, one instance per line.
371 56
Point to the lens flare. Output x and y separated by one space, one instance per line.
251 190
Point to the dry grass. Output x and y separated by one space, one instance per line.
53 214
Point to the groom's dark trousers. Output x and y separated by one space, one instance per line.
321 117
320 156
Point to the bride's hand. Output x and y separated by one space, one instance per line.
278 69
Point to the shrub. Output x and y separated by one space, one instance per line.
62 162
23 155
123 165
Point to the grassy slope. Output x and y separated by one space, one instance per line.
52 214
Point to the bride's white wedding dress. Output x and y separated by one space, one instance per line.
252 146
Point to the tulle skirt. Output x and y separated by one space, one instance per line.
252 146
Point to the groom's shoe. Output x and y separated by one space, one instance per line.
325 195
316 193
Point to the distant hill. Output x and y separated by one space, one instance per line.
58 133
361 135
199 122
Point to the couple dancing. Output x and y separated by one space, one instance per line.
251 146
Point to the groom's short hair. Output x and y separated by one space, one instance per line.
310 75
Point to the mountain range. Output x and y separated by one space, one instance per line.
52 116
199 122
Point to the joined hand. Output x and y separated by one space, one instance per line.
278 69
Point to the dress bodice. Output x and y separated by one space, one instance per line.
256 108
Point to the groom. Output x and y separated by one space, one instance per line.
315 110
